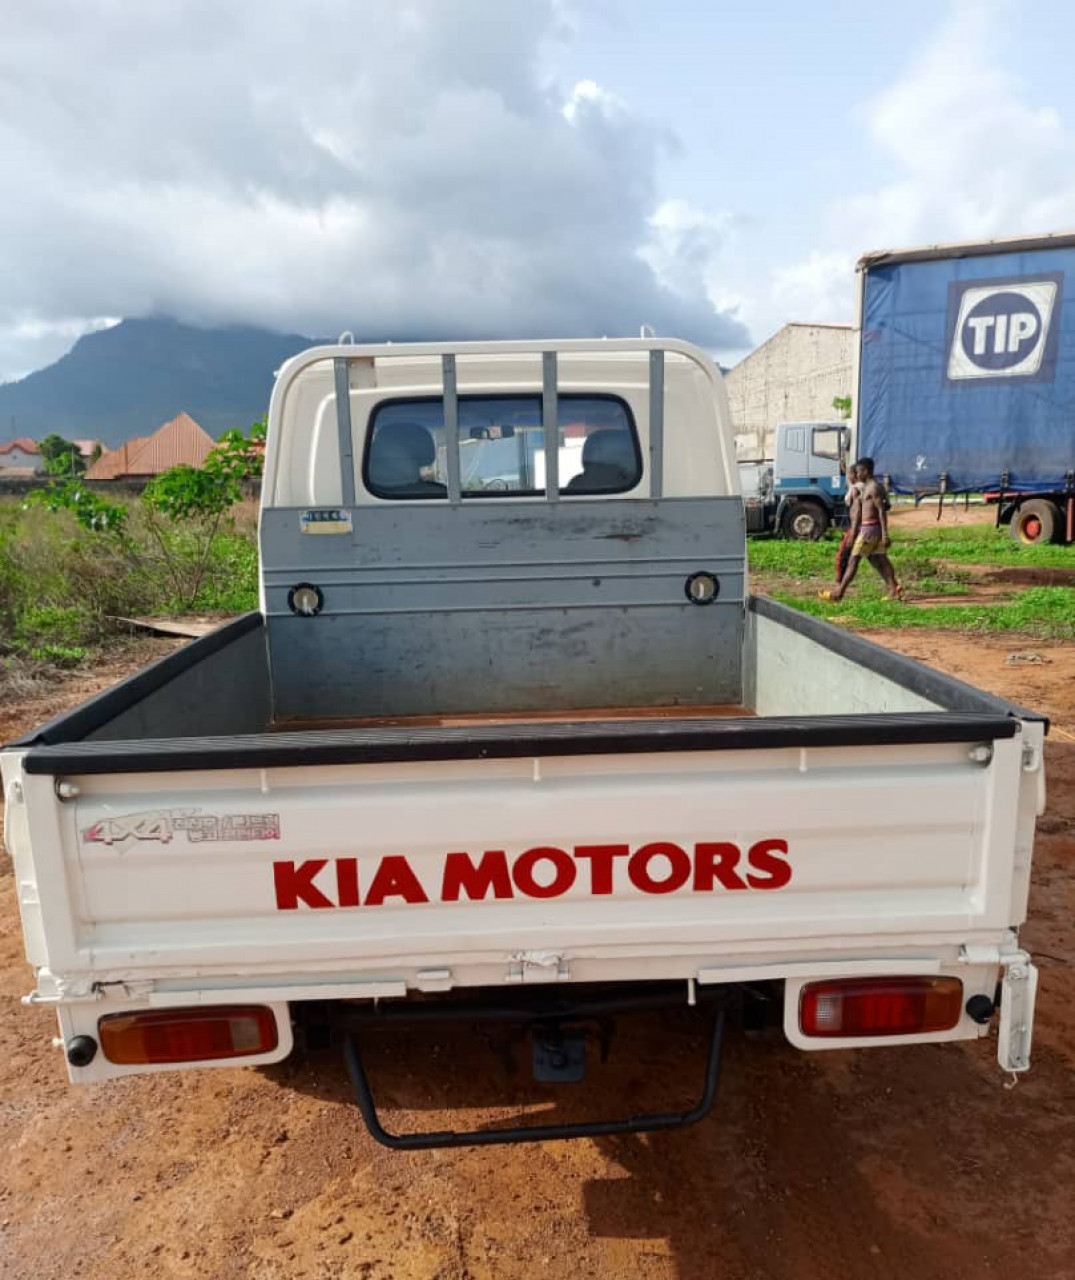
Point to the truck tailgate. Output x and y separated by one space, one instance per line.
493 870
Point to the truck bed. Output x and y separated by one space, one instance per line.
184 847
806 683
856 814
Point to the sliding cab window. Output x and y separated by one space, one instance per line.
502 450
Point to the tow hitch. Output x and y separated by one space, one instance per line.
558 1032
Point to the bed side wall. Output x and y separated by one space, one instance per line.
227 692
787 673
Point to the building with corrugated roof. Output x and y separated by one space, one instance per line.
180 441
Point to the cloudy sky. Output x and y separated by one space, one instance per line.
508 167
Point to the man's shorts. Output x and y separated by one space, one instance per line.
868 542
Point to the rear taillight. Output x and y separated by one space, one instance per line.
188 1035
880 1006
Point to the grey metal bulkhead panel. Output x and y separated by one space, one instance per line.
431 608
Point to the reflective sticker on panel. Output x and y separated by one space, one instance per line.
191 825
325 520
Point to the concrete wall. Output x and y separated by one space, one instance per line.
19 458
791 378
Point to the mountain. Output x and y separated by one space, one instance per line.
126 381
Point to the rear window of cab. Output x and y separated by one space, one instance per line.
502 447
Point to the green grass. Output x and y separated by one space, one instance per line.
930 563
918 549
979 544
1046 612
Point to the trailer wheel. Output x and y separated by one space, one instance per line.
1034 522
806 522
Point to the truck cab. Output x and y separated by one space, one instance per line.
810 477
804 492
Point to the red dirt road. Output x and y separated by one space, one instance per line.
889 1164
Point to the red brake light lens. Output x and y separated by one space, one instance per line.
880 1006
188 1035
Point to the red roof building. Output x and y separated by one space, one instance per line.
181 441
22 455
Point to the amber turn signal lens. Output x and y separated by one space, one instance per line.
187 1035
880 1006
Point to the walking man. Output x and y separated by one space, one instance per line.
869 530
854 491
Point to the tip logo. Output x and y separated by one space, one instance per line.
1003 329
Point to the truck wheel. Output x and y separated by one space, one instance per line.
806 522
1035 521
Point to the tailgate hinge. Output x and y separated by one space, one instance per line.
1018 992
537 966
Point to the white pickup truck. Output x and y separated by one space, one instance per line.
509 738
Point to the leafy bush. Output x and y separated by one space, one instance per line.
175 544
54 624
71 558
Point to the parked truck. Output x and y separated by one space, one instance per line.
966 376
490 750
803 491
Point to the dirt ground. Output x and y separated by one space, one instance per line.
887 1164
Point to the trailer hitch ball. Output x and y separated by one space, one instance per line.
81 1051
980 1009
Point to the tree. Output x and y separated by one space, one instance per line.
62 457
199 499
842 405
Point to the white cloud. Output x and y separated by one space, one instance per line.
685 245
971 157
31 342
818 288
588 95
396 171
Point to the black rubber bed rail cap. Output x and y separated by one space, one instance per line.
488 742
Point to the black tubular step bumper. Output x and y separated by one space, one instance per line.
559 1009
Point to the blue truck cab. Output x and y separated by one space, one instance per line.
808 486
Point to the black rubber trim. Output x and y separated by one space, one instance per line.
945 690
476 398
91 715
488 742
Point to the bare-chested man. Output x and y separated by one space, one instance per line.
854 492
869 528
